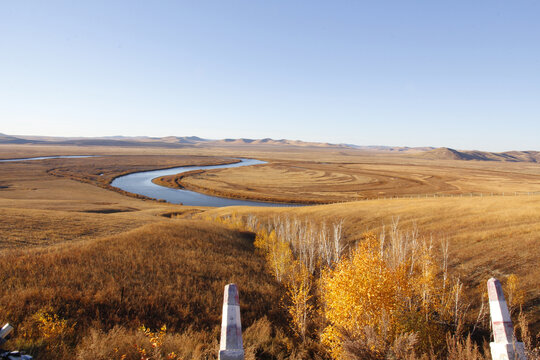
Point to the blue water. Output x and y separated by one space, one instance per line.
141 183
49 157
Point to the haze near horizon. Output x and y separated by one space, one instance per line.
460 75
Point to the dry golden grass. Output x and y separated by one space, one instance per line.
27 227
74 246
102 170
39 208
316 182
166 273
169 273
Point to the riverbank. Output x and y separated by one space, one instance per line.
144 184
183 181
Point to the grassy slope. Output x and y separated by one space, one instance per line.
169 273
165 273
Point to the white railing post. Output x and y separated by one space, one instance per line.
231 346
504 345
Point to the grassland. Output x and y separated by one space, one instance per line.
361 177
100 259
99 262
167 273
51 201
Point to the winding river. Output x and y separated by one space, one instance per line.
141 183
49 157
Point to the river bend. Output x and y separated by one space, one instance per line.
141 183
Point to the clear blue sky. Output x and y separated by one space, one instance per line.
462 74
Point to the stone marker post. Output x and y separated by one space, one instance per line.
504 346
4 332
231 346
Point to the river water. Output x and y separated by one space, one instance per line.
141 183
49 157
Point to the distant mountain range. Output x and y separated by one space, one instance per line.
194 141
7 139
169 141
451 154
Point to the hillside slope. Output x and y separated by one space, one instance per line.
170 273
452 154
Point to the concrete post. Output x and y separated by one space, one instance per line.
504 346
4 332
231 346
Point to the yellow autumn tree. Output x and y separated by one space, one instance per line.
261 241
277 252
279 256
514 292
362 291
299 294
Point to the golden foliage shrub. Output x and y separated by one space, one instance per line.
388 297
362 291
372 292
299 292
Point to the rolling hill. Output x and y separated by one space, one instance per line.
429 153
452 154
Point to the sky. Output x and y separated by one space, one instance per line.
460 74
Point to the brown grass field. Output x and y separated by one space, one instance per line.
351 179
100 259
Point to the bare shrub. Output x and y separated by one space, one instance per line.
374 344
121 343
262 340
460 348
99 345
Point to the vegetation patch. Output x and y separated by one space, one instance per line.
387 297
108 211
